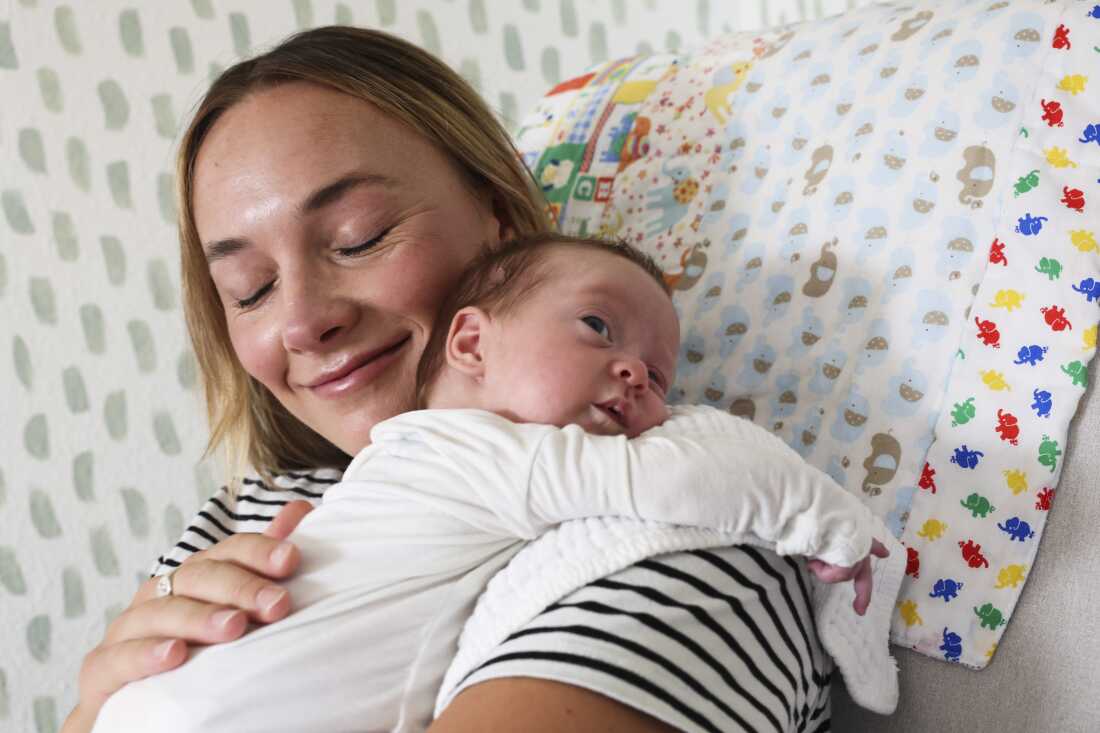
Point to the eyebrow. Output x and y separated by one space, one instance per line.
322 197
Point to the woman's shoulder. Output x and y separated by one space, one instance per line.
248 507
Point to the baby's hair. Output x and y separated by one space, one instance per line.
497 279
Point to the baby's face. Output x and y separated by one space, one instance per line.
595 345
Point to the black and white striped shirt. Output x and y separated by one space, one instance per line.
710 640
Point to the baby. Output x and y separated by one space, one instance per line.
544 401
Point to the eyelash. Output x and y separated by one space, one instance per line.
346 251
654 375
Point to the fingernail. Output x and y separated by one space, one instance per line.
281 553
221 619
267 598
163 649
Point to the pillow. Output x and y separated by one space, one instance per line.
876 230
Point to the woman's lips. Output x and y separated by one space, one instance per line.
361 375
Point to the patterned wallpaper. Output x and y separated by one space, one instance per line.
102 427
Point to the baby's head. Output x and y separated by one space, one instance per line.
556 330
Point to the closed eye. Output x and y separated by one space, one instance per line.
254 298
364 247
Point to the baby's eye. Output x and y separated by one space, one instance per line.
598 325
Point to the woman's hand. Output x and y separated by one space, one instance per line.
860 573
215 593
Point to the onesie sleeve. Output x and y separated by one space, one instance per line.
703 467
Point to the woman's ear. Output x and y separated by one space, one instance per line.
466 342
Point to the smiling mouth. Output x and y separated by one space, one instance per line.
372 359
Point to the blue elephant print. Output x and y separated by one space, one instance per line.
851 419
863 128
738 229
963 63
797 139
877 346
761 161
889 161
735 323
715 389
910 96
999 103
785 396
880 81
804 437
1088 287
1043 402
872 231
836 471
757 364
930 321
1029 225
840 197
712 292
754 265
1025 32
905 391
941 134
844 103
899 275
952 645
1016 529
692 349
956 245
808 334
827 369
855 297
895 518
946 588
794 241
922 201
777 297
1031 355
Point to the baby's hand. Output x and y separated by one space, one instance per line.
861 572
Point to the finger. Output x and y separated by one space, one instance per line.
863 587
827 573
878 549
178 617
224 583
287 519
110 666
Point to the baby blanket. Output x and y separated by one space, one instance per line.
577 553
875 226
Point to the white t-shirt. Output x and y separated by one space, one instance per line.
398 552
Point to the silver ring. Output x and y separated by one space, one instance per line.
164 583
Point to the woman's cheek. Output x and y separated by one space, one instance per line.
259 351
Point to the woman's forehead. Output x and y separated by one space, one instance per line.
277 147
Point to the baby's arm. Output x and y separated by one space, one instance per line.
702 467
707 468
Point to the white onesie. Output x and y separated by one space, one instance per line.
397 554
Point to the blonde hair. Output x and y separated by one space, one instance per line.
411 86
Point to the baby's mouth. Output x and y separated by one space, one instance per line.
612 409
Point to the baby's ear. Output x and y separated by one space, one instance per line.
466 342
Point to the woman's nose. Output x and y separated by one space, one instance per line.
314 316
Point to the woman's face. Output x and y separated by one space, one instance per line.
332 233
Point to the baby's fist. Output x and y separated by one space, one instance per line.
860 573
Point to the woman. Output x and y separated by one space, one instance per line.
330 192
